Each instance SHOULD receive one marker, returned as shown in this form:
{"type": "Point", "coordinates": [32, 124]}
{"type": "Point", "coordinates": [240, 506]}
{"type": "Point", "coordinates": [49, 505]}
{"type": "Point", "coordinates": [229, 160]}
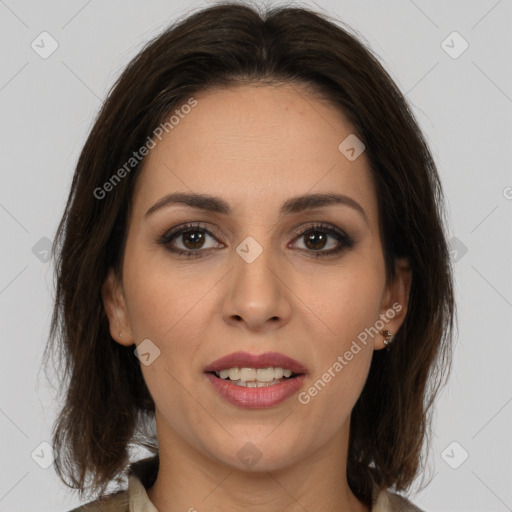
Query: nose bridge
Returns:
{"type": "Point", "coordinates": [256, 291]}
{"type": "Point", "coordinates": [253, 262]}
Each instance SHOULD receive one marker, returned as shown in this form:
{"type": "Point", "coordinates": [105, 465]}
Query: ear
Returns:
{"type": "Point", "coordinates": [115, 307]}
{"type": "Point", "coordinates": [395, 301]}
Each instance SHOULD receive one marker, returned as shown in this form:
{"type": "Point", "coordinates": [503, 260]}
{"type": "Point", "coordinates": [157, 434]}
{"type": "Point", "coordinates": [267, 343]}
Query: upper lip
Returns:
{"type": "Point", "coordinates": [247, 360]}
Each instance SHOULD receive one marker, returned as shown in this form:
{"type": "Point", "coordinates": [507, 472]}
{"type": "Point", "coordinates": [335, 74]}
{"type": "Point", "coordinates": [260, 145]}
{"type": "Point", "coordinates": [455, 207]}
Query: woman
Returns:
{"type": "Point", "coordinates": [253, 257]}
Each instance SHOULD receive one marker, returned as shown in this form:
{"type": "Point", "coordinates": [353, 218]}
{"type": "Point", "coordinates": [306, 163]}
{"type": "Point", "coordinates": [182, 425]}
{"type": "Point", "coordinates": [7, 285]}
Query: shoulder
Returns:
{"type": "Point", "coordinates": [388, 501]}
{"type": "Point", "coordinates": [116, 502]}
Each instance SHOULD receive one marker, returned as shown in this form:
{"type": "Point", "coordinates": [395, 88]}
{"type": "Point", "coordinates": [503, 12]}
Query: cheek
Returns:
{"type": "Point", "coordinates": [350, 305]}
{"type": "Point", "coordinates": [170, 306]}
{"type": "Point", "coordinates": [348, 299]}
{"type": "Point", "coordinates": [163, 297]}
{"type": "Point", "coordinates": [343, 363]}
{"type": "Point", "coordinates": [330, 398]}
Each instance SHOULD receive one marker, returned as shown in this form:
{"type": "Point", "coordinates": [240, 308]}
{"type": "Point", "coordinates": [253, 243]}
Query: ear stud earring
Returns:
{"type": "Point", "coordinates": [388, 336]}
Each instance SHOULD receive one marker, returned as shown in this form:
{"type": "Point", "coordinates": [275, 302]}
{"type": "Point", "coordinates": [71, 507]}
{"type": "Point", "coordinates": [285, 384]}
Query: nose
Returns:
{"type": "Point", "coordinates": [257, 296]}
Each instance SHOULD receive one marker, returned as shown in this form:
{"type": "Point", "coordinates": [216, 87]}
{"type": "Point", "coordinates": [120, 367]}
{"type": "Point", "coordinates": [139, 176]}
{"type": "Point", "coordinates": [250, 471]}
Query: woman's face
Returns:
{"type": "Point", "coordinates": [267, 274]}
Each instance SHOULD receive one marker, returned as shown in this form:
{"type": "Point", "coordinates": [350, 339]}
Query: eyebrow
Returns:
{"type": "Point", "coordinates": [295, 204]}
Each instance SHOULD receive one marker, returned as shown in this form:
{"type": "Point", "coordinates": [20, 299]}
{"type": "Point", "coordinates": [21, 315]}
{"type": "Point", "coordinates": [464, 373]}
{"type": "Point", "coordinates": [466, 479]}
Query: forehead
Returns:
{"type": "Point", "coordinates": [248, 143]}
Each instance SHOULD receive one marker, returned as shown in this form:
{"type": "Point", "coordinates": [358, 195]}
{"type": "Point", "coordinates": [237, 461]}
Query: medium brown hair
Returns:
{"type": "Point", "coordinates": [107, 402]}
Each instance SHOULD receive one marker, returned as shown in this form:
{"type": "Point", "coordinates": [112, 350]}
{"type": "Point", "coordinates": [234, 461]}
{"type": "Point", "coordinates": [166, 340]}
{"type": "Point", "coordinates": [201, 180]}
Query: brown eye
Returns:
{"type": "Point", "coordinates": [316, 239]}
{"type": "Point", "coordinates": [188, 240]}
{"type": "Point", "coordinates": [193, 239]}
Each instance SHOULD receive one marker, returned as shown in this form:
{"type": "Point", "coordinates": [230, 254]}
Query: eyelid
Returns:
{"type": "Point", "coordinates": [322, 225]}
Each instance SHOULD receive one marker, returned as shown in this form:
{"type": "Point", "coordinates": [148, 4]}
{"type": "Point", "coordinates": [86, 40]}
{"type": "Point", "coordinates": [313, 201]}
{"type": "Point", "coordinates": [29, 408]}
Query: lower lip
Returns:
{"type": "Point", "coordinates": [256, 398]}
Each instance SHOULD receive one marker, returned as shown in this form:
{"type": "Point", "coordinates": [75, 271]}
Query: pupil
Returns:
{"type": "Point", "coordinates": [317, 235]}
{"type": "Point", "coordinates": [197, 239]}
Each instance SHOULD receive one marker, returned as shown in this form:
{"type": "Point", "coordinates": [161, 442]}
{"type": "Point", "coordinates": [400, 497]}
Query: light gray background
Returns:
{"type": "Point", "coordinates": [464, 106]}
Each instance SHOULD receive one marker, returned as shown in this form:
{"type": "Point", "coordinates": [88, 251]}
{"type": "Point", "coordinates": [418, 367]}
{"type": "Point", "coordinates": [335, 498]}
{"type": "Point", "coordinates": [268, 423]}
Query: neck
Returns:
{"type": "Point", "coordinates": [190, 480]}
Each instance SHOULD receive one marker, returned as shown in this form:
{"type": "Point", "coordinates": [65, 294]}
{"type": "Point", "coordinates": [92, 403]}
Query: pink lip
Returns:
{"type": "Point", "coordinates": [246, 360]}
{"type": "Point", "coordinates": [256, 398]}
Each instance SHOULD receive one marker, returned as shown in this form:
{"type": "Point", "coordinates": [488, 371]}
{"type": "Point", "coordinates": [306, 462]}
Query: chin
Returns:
{"type": "Point", "coordinates": [256, 453]}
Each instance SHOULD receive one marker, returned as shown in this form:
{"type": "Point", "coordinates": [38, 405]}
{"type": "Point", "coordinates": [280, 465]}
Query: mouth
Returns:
{"type": "Point", "coordinates": [256, 381]}
{"type": "Point", "coordinates": [260, 368]}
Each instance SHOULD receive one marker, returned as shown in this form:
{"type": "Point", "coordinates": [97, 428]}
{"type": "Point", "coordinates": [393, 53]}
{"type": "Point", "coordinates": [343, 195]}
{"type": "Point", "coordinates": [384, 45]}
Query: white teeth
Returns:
{"type": "Point", "coordinates": [234, 373]}
{"type": "Point", "coordinates": [265, 374]}
{"type": "Point", "coordinates": [247, 374]}
{"type": "Point", "coordinates": [254, 377]}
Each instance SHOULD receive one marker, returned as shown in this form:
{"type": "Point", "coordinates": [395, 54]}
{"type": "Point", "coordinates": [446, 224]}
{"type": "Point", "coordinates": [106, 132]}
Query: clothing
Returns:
{"type": "Point", "coordinates": [142, 475]}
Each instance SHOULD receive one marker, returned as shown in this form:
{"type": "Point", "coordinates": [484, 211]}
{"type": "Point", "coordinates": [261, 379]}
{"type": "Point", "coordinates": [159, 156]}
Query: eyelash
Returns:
{"type": "Point", "coordinates": [167, 237]}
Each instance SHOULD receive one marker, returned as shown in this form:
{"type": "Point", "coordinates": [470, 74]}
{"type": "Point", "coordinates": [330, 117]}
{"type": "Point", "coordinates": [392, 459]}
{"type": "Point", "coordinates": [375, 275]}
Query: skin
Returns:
{"type": "Point", "coordinates": [254, 146]}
